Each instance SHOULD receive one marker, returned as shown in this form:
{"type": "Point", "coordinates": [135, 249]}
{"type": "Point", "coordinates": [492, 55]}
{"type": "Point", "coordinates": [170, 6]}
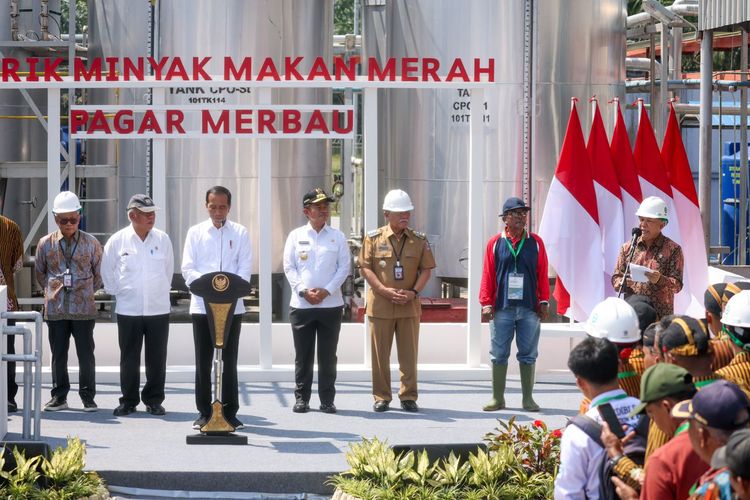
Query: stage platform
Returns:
{"type": "Point", "coordinates": [288, 455]}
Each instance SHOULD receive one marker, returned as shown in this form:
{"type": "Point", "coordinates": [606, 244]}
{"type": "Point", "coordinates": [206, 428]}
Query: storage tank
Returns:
{"type": "Point", "coordinates": [22, 136]}
{"type": "Point", "coordinates": [577, 49]}
{"type": "Point", "coordinates": [234, 28]}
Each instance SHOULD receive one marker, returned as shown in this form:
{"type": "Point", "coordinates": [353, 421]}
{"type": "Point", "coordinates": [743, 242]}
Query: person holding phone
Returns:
{"type": "Point", "coordinates": [594, 365]}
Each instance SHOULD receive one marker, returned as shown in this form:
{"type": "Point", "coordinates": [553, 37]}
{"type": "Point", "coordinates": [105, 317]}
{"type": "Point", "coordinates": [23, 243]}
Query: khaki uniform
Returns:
{"type": "Point", "coordinates": [379, 253]}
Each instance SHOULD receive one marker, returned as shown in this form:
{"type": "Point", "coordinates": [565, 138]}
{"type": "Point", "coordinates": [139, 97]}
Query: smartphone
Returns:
{"type": "Point", "coordinates": [608, 415]}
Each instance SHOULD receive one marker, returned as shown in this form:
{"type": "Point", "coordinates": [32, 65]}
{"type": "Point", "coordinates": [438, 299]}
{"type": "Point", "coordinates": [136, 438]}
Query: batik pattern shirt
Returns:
{"type": "Point", "coordinates": [83, 258]}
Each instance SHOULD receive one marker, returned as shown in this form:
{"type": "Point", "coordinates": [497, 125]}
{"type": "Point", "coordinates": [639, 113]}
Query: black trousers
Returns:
{"type": "Point", "coordinates": [12, 385]}
{"type": "Point", "coordinates": [307, 324]}
{"type": "Point", "coordinates": [59, 342]}
{"type": "Point", "coordinates": [204, 355]}
{"type": "Point", "coordinates": [131, 332]}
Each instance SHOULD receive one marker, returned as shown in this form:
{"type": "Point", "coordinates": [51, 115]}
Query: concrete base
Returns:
{"type": "Point", "coordinates": [227, 439]}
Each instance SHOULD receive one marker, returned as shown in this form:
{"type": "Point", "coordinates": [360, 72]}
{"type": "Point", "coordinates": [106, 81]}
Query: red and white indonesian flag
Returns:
{"type": "Point", "coordinates": [627, 175]}
{"type": "Point", "coordinates": [570, 228]}
{"type": "Point", "coordinates": [652, 173]}
{"type": "Point", "coordinates": [688, 213]}
{"type": "Point", "coordinates": [608, 198]}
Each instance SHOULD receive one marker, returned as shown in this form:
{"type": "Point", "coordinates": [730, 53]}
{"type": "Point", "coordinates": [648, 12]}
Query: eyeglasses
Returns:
{"type": "Point", "coordinates": [67, 221]}
{"type": "Point", "coordinates": [520, 212]}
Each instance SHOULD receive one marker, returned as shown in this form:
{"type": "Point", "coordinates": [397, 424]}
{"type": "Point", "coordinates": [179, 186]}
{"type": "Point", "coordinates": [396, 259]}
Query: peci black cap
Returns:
{"type": "Point", "coordinates": [513, 203]}
{"type": "Point", "coordinates": [316, 196]}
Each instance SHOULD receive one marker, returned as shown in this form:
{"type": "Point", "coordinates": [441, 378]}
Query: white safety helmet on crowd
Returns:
{"type": "Point", "coordinates": [66, 202]}
{"type": "Point", "coordinates": [397, 201]}
{"type": "Point", "coordinates": [737, 310]}
{"type": "Point", "coordinates": [653, 207]}
{"type": "Point", "coordinates": [615, 320]}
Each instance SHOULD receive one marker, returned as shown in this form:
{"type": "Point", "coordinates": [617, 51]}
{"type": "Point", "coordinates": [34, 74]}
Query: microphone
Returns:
{"type": "Point", "coordinates": [636, 232]}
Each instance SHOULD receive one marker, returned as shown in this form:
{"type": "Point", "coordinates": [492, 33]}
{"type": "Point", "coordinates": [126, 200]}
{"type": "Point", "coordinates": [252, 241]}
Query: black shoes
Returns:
{"type": "Point", "coordinates": [300, 406]}
{"type": "Point", "coordinates": [409, 405]}
{"type": "Point", "coordinates": [235, 422]}
{"type": "Point", "coordinates": [12, 407]}
{"type": "Point", "coordinates": [200, 422]}
{"type": "Point", "coordinates": [381, 405]}
{"type": "Point", "coordinates": [123, 410]}
{"type": "Point", "coordinates": [328, 408]}
{"type": "Point", "coordinates": [156, 409]}
{"type": "Point", "coordinates": [56, 404]}
{"type": "Point", "coordinates": [89, 405]}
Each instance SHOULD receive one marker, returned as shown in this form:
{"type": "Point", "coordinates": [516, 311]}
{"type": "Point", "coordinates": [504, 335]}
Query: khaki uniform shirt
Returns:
{"type": "Point", "coordinates": [379, 253]}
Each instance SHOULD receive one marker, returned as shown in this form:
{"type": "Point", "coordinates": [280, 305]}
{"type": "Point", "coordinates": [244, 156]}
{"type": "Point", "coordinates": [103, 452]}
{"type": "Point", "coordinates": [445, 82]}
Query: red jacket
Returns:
{"type": "Point", "coordinates": [488, 287]}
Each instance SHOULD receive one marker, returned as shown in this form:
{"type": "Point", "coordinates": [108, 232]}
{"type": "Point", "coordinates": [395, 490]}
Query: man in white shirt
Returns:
{"type": "Point", "coordinates": [316, 263]}
{"type": "Point", "coordinates": [137, 268]}
{"type": "Point", "coordinates": [594, 364]}
{"type": "Point", "coordinates": [216, 244]}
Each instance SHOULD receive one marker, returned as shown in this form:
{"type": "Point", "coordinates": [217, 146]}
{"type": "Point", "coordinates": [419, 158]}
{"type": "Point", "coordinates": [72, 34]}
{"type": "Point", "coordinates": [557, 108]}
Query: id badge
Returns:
{"type": "Point", "coordinates": [398, 272]}
{"type": "Point", "coordinates": [515, 286]}
{"type": "Point", "coordinates": [67, 279]}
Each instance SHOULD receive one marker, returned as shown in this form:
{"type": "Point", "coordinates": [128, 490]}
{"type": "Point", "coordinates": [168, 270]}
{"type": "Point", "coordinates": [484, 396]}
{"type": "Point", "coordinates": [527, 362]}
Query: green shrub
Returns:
{"type": "Point", "coordinates": [62, 475]}
{"type": "Point", "coordinates": [520, 463]}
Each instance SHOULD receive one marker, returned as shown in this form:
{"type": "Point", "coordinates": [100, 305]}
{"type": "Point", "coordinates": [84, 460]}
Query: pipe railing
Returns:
{"type": "Point", "coordinates": [31, 355]}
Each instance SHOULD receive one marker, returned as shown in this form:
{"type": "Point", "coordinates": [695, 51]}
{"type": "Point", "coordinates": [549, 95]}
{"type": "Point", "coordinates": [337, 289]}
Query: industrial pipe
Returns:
{"type": "Point", "coordinates": [706, 128]}
{"type": "Point", "coordinates": [641, 63]}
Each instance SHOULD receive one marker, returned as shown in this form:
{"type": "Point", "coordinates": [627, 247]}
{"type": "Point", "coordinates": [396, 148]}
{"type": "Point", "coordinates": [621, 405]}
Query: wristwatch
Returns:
{"type": "Point", "coordinates": [302, 293]}
{"type": "Point", "coordinates": [415, 291]}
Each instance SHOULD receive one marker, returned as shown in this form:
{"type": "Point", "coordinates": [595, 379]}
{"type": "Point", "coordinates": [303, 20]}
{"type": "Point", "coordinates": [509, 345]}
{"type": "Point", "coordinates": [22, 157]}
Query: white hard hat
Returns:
{"type": "Point", "coordinates": [397, 201]}
{"type": "Point", "coordinates": [737, 310]}
{"type": "Point", "coordinates": [614, 319]}
{"type": "Point", "coordinates": [653, 207]}
{"type": "Point", "coordinates": [66, 202]}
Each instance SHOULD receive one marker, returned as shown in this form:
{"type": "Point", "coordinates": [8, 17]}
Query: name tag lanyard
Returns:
{"type": "Point", "coordinates": [515, 280]}
{"type": "Point", "coordinates": [67, 275]}
{"type": "Point", "coordinates": [398, 269]}
{"type": "Point", "coordinates": [515, 252]}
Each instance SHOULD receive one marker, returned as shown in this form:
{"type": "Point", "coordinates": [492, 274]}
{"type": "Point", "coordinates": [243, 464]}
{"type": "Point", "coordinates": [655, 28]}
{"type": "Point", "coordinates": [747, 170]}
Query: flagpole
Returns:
{"type": "Point", "coordinates": [616, 102]}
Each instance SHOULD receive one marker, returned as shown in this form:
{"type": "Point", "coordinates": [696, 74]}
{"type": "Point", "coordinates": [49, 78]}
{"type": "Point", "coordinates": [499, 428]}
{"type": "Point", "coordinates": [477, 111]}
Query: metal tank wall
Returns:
{"type": "Point", "coordinates": [579, 52]}
{"type": "Point", "coordinates": [423, 138]}
{"type": "Point", "coordinates": [235, 28]}
{"type": "Point", "coordinates": [23, 139]}
{"type": "Point", "coordinates": [118, 29]}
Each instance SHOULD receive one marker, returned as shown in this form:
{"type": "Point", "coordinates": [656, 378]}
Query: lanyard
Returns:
{"type": "Point", "coordinates": [69, 260]}
{"type": "Point", "coordinates": [398, 254]}
{"type": "Point", "coordinates": [607, 400]}
{"type": "Point", "coordinates": [682, 428]}
{"type": "Point", "coordinates": [515, 252]}
{"type": "Point", "coordinates": [704, 383]}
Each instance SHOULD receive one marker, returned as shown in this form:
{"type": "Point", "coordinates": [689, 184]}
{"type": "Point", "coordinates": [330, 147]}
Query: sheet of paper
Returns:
{"type": "Point", "coordinates": [638, 273]}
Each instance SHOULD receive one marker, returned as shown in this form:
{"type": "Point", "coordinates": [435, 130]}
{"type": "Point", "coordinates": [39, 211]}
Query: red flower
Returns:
{"type": "Point", "coordinates": [538, 423]}
{"type": "Point", "coordinates": [557, 433]}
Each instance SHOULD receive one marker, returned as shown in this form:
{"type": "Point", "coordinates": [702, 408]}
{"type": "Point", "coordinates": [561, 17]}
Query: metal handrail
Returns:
{"type": "Point", "coordinates": [27, 358]}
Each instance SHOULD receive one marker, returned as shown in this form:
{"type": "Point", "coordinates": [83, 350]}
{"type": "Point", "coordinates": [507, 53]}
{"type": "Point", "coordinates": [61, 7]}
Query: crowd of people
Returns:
{"type": "Point", "coordinates": [665, 410]}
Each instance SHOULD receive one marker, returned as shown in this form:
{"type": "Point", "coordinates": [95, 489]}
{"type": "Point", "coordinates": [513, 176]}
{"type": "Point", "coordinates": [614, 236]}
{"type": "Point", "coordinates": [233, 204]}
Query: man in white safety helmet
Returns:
{"type": "Point", "coordinates": [736, 321]}
{"type": "Point", "coordinates": [617, 321]}
{"type": "Point", "coordinates": [657, 252]}
{"type": "Point", "coordinates": [67, 267]}
{"type": "Point", "coordinates": [396, 261]}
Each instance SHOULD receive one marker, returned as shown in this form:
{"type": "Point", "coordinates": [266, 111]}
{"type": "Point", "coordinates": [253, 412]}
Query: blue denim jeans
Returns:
{"type": "Point", "coordinates": [519, 321]}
